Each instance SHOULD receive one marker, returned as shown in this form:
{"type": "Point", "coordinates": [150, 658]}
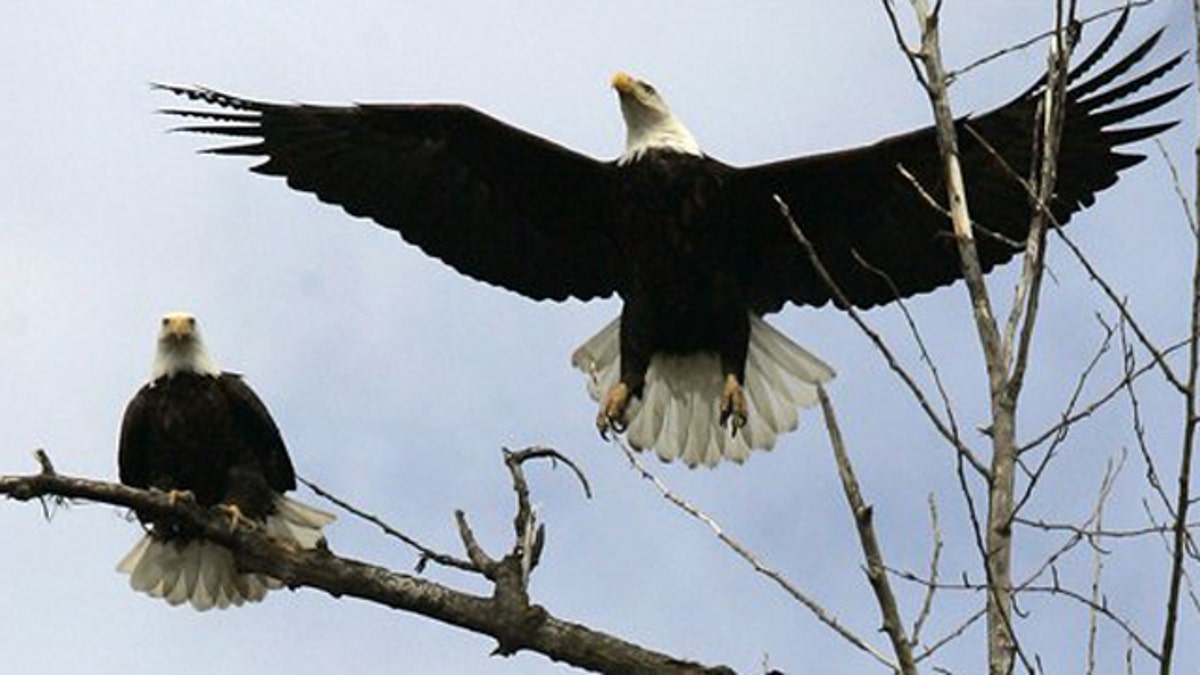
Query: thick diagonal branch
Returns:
{"type": "Point", "coordinates": [529, 627]}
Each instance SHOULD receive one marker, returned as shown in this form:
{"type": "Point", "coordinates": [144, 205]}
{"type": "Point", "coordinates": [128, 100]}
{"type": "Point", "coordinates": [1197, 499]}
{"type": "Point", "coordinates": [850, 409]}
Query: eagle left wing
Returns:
{"type": "Point", "coordinates": [251, 415]}
{"type": "Point", "coordinates": [494, 202]}
{"type": "Point", "coordinates": [880, 239]}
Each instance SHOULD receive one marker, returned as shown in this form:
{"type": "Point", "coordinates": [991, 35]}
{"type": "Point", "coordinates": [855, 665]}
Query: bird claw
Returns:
{"type": "Point", "coordinates": [176, 496]}
{"type": "Point", "coordinates": [733, 405]}
{"type": "Point", "coordinates": [611, 418]}
{"type": "Point", "coordinates": [235, 515]}
{"type": "Point", "coordinates": [609, 425]}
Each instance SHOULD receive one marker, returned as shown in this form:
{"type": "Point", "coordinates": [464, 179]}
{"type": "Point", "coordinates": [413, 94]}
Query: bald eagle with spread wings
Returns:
{"type": "Point", "coordinates": [697, 249]}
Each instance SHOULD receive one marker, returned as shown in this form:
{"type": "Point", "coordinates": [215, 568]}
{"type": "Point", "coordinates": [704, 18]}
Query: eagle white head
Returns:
{"type": "Point", "coordinates": [181, 349]}
{"type": "Point", "coordinates": [649, 122]}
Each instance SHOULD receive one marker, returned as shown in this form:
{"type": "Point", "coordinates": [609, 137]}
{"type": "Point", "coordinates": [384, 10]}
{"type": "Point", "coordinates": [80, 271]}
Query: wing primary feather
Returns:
{"type": "Point", "coordinates": [239, 129]}
{"type": "Point", "coordinates": [1089, 61]}
{"type": "Point", "coordinates": [1131, 110]}
{"type": "Point", "coordinates": [245, 149]}
{"type": "Point", "coordinates": [1117, 69]}
{"type": "Point", "coordinates": [219, 115]}
{"type": "Point", "coordinates": [1116, 93]}
{"type": "Point", "coordinates": [212, 96]}
{"type": "Point", "coordinates": [1133, 134]}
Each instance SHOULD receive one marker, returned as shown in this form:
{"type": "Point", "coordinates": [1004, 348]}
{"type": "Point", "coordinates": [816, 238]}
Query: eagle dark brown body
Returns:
{"type": "Point", "coordinates": [208, 435]}
{"type": "Point", "coordinates": [683, 286]}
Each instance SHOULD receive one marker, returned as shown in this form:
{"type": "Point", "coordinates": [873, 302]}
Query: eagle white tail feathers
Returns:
{"type": "Point", "coordinates": [205, 574]}
{"type": "Point", "coordinates": [677, 414]}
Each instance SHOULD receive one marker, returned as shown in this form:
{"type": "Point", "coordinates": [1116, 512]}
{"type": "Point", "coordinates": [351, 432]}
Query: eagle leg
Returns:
{"type": "Point", "coordinates": [612, 410]}
{"type": "Point", "coordinates": [733, 404]}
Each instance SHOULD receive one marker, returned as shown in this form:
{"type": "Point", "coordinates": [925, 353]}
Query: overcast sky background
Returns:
{"type": "Point", "coordinates": [396, 381]}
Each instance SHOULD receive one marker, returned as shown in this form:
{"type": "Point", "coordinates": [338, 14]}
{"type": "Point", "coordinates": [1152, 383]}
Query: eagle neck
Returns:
{"type": "Point", "coordinates": [191, 357]}
{"type": "Point", "coordinates": [667, 134]}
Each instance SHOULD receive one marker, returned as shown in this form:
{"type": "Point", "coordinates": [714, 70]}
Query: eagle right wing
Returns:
{"type": "Point", "coordinates": [494, 202]}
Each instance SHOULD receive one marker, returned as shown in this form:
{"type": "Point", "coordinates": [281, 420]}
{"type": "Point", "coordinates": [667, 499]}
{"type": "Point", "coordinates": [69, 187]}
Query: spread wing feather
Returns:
{"type": "Point", "coordinates": [494, 202]}
{"type": "Point", "coordinates": [880, 239]}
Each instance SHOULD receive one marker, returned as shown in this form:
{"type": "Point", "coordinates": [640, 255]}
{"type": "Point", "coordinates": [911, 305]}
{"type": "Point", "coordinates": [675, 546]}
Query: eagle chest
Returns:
{"type": "Point", "coordinates": [191, 437]}
{"type": "Point", "coordinates": [673, 214]}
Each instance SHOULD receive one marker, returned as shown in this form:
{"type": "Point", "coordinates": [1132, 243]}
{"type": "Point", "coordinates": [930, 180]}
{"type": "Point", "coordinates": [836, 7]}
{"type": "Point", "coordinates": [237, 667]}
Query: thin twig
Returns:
{"type": "Point", "coordinates": [823, 615]}
{"type": "Point", "coordinates": [1051, 452]}
{"type": "Point", "coordinates": [1139, 429]}
{"type": "Point", "coordinates": [1178, 184]}
{"type": "Point", "coordinates": [427, 554]}
{"type": "Point", "coordinates": [1051, 589]}
{"type": "Point", "coordinates": [1121, 306]}
{"type": "Point", "coordinates": [530, 535]}
{"type": "Point", "coordinates": [1097, 532]}
{"type": "Point", "coordinates": [1062, 426]}
{"type": "Point", "coordinates": [951, 635]}
{"type": "Point", "coordinates": [913, 330]}
{"type": "Point", "coordinates": [1163, 530]}
{"type": "Point", "coordinates": [1025, 44]}
{"type": "Point", "coordinates": [1097, 570]}
{"type": "Point", "coordinates": [947, 432]}
{"type": "Point", "coordinates": [1070, 543]}
{"type": "Point", "coordinates": [934, 558]}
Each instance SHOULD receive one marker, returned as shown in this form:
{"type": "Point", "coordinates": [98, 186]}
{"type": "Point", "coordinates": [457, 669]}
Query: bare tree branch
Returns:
{"type": "Point", "coordinates": [1070, 418]}
{"type": "Point", "coordinates": [1184, 478]}
{"type": "Point", "coordinates": [1025, 44]}
{"type": "Point", "coordinates": [1139, 429]}
{"type": "Point", "coordinates": [864, 523]}
{"type": "Point", "coordinates": [1096, 533]}
{"type": "Point", "coordinates": [1049, 589]}
{"type": "Point", "coordinates": [1037, 473]}
{"type": "Point", "coordinates": [997, 550]}
{"type": "Point", "coordinates": [952, 635]}
{"type": "Point", "coordinates": [823, 615]}
{"type": "Point", "coordinates": [427, 554]}
{"type": "Point", "coordinates": [515, 627]}
{"type": "Point", "coordinates": [934, 559]}
{"type": "Point", "coordinates": [915, 331]}
{"type": "Point", "coordinates": [950, 433]}
{"type": "Point", "coordinates": [1097, 570]}
{"type": "Point", "coordinates": [1159, 355]}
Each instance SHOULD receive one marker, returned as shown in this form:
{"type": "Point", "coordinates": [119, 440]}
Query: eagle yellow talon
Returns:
{"type": "Point", "coordinates": [612, 411]}
{"type": "Point", "coordinates": [733, 405]}
{"type": "Point", "coordinates": [176, 496]}
{"type": "Point", "coordinates": [236, 517]}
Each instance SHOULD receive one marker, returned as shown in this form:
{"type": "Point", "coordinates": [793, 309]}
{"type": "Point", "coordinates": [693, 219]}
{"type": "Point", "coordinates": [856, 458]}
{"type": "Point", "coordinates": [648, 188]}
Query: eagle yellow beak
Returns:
{"type": "Point", "coordinates": [623, 82]}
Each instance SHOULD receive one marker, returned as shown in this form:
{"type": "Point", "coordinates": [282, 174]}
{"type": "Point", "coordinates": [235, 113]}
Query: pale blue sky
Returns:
{"type": "Point", "coordinates": [396, 381]}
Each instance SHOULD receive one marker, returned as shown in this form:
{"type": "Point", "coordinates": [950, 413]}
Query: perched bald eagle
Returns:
{"type": "Point", "coordinates": [697, 249]}
{"type": "Point", "coordinates": [194, 429]}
